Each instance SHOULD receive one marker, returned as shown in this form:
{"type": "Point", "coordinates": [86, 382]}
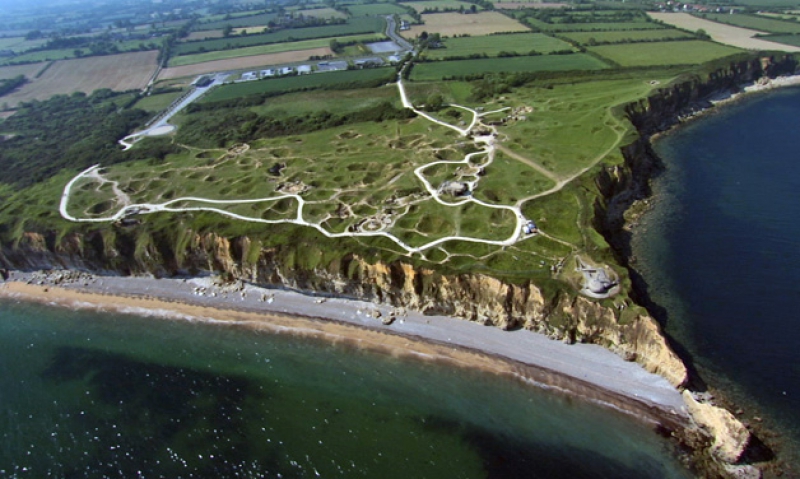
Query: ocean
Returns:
{"type": "Point", "coordinates": [720, 253]}
{"type": "Point", "coordinates": [86, 394]}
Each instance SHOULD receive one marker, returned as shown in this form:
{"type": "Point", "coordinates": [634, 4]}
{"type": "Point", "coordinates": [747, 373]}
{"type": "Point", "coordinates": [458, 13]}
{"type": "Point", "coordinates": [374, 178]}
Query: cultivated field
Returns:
{"type": "Point", "coordinates": [19, 44]}
{"type": "Point", "coordinates": [521, 43]}
{"type": "Point", "coordinates": [243, 62]}
{"type": "Point", "coordinates": [626, 36]}
{"type": "Point", "coordinates": [354, 27]}
{"type": "Point", "coordinates": [30, 70]}
{"type": "Point", "coordinates": [591, 27]}
{"type": "Point", "coordinates": [477, 24]}
{"type": "Point", "coordinates": [126, 71]}
{"type": "Point", "coordinates": [440, 5]}
{"type": "Point", "coordinates": [203, 35]}
{"type": "Point", "coordinates": [784, 39]}
{"type": "Point", "coordinates": [264, 50]}
{"type": "Point", "coordinates": [322, 13]}
{"type": "Point", "coordinates": [437, 70]}
{"type": "Point", "coordinates": [244, 21]}
{"type": "Point", "coordinates": [727, 34]}
{"type": "Point", "coordinates": [755, 22]}
{"type": "Point", "coordinates": [518, 5]}
{"type": "Point", "coordinates": [376, 9]}
{"type": "Point", "coordinates": [691, 52]}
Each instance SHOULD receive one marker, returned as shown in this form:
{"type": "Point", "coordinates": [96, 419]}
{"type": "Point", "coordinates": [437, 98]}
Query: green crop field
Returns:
{"type": "Point", "coordinates": [754, 22]}
{"type": "Point", "coordinates": [491, 45]}
{"type": "Point", "coordinates": [316, 80]}
{"type": "Point", "coordinates": [375, 9]}
{"type": "Point", "coordinates": [691, 52]}
{"type": "Point", "coordinates": [265, 49]}
{"type": "Point", "coordinates": [785, 39]}
{"type": "Point", "coordinates": [353, 27]}
{"type": "Point", "coordinates": [591, 27]}
{"type": "Point", "coordinates": [627, 36]}
{"type": "Point", "coordinates": [244, 21]}
{"type": "Point", "coordinates": [438, 70]}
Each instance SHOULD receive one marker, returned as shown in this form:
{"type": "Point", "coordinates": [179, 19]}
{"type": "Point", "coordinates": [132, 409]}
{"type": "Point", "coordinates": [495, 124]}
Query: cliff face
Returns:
{"type": "Point", "coordinates": [471, 296]}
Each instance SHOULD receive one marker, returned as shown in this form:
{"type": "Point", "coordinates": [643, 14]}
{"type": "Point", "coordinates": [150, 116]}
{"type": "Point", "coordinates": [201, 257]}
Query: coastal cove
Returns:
{"type": "Point", "coordinates": [718, 253]}
{"type": "Point", "coordinates": [354, 298]}
{"type": "Point", "coordinates": [361, 413]}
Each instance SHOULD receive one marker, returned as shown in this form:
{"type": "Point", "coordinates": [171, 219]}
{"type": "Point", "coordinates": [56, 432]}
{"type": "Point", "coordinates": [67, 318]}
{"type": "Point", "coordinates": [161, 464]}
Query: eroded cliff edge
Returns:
{"type": "Point", "coordinates": [625, 190]}
{"type": "Point", "coordinates": [477, 297]}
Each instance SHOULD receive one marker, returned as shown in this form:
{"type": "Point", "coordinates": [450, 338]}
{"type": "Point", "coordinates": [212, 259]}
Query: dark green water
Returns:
{"type": "Point", "coordinates": [721, 253]}
{"type": "Point", "coordinates": [91, 395]}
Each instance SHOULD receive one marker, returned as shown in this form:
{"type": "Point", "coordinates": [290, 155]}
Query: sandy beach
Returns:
{"type": "Point", "coordinates": [586, 371]}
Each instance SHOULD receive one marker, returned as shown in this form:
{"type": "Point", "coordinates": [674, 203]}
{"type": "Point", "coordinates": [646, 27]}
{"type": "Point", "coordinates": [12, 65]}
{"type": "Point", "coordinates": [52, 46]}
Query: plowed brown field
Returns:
{"type": "Point", "coordinates": [126, 71]}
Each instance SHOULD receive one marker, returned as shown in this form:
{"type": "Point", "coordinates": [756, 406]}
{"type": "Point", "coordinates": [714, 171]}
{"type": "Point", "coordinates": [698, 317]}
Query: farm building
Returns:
{"type": "Point", "coordinates": [331, 66]}
{"type": "Point", "coordinates": [303, 69]}
{"type": "Point", "coordinates": [287, 70]}
{"type": "Point", "coordinates": [268, 73]}
{"type": "Point", "coordinates": [250, 76]}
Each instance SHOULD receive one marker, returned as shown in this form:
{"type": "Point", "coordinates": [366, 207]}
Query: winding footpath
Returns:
{"type": "Point", "coordinates": [488, 149]}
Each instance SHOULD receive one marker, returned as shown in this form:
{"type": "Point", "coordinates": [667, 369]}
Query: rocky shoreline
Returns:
{"type": "Point", "coordinates": [622, 217]}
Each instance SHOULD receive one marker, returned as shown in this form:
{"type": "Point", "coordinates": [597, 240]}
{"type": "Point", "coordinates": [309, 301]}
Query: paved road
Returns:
{"type": "Point", "coordinates": [391, 32]}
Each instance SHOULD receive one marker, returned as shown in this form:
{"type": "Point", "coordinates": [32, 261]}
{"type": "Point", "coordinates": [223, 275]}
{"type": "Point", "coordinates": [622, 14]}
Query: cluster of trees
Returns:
{"type": "Point", "coordinates": [461, 9]}
{"type": "Point", "coordinates": [555, 16]}
{"type": "Point", "coordinates": [74, 131]}
{"type": "Point", "coordinates": [9, 85]}
{"type": "Point", "coordinates": [235, 125]}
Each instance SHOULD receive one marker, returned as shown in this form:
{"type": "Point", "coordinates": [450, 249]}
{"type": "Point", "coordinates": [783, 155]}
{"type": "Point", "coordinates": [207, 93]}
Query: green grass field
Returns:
{"type": "Point", "coordinates": [353, 27]}
{"type": "Point", "coordinates": [265, 49]}
{"type": "Point", "coordinates": [40, 56]}
{"type": "Point", "coordinates": [491, 45]}
{"type": "Point", "coordinates": [375, 9]}
{"type": "Point", "coordinates": [754, 22]}
{"type": "Point", "coordinates": [691, 52]}
{"type": "Point", "coordinates": [157, 103]}
{"type": "Point", "coordinates": [585, 38]}
{"type": "Point", "coordinates": [277, 85]}
{"type": "Point", "coordinates": [571, 126]}
{"type": "Point", "coordinates": [345, 101]}
{"type": "Point", "coordinates": [438, 70]}
{"type": "Point", "coordinates": [591, 27]}
{"type": "Point", "coordinates": [19, 44]}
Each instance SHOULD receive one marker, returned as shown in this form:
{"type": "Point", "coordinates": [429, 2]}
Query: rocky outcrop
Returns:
{"type": "Point", "coordinates": [730, 436]}
{"type": "Point", "coordinates": [474, 297]}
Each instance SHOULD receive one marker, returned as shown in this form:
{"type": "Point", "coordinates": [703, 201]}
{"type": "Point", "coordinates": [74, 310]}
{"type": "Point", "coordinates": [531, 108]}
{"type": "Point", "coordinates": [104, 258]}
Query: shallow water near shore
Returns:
{"type": "Point", "coordinates": [720, 251]}
{"type": "Point", "coordinates": [107, 395]}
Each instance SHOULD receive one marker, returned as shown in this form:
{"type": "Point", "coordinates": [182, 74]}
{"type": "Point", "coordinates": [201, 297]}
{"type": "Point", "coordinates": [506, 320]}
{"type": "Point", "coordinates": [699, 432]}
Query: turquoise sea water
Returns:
{"type": "Point", "coordinates": [100, 395]}
{"type": "Point", "coordinates": [721, 254]}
